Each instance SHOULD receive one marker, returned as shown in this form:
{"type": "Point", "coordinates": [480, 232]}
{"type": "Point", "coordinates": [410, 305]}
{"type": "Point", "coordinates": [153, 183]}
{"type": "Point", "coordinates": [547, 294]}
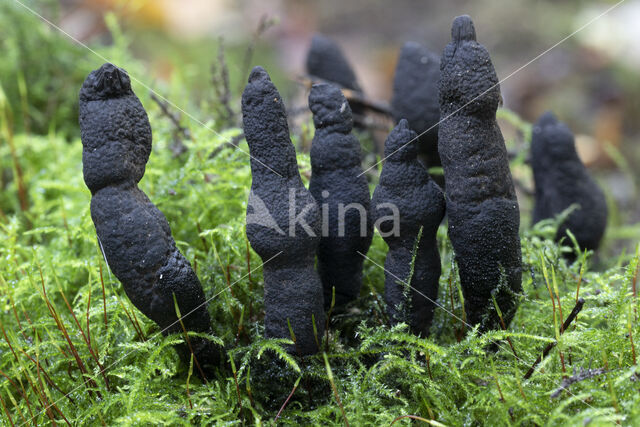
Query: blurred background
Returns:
{"type": "Point", "coordinates": [178, 48]}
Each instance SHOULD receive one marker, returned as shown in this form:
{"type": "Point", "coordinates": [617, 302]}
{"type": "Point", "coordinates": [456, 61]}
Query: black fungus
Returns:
{"type": "Point", "coordinates": [482, 208]}
{"type": "Point", "coordinates": [562, 180]}
{"type": "Point", "coordinates": [134, 235]}
{"type": "Point", "coordinates": [326, 61]}
{"type": "Point", "coordinates": [340, 188]}
{"type": "Point", "coordinates": [415, 97]}
{"type": "Point", "coordinates": [405, 201]}
{"type": "Point", "coordinates": [283, 219]}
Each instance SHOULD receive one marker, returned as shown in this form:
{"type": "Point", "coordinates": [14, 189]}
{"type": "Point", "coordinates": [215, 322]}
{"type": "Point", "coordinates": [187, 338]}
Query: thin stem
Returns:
{"type": "Point", "coordinates": [550, 346]}
{"type": "Point", "coordinates": [295, 387]}
{"type": "Point", "coordinates": [334, 388]}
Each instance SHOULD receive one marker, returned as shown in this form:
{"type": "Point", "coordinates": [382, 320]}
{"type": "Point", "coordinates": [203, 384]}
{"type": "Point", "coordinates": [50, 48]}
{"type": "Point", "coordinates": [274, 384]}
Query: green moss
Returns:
{"type": "Point", "coordinates": [379, 373]}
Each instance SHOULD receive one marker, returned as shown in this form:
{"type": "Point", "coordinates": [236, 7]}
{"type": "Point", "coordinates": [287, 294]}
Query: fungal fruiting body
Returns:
{"type": "Point", "coordinates": [283, 219]}
{"type": "Point", "coordinates": [561, 180]}
{"type": "Point", "coordinates": [327, 62]}
{"type": "Point", "coordinates": [482, 208]}
{"type": "Point", "coordinates": [405, 201]}
{"type": "Point", "coordinates": [415, 97]}
{"type": "Point", "coordinates": [134, 235]}
{"type": "Point", "coordinates": [340, 188]}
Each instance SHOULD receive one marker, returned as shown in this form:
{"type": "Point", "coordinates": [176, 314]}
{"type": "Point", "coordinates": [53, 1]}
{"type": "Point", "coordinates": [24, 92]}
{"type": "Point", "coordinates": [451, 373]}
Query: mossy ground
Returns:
{"type": "Point", "coordinates": [64, 318]}
{"type": "Point", "coordinates": [74, 350]}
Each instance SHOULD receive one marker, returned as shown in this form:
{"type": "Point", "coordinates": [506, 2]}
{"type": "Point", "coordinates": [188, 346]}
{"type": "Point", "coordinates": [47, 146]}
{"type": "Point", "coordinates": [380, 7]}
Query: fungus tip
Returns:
{"type": "Point", "coordinates": [326, 61]}
{"type": "Point", "coordinates": [320, 42]}
{"type": "Point", "coordinates": [547, 119]}
{"type": "Point", "coordinates": [561, 180]}
{"type": "Point", "coordinates": [411, 45]}
{"type": "Point", "coordinates": [400, 142]}
{"type": "Point", "coordinates": [329, 107]}
{"type": "Point", "coordinates": [318, 89]}
{"type": "Point", "coordinates": [403, 124]}
{"type": "Point", "coordinates": [418, 206]}
{"type": "Point", "coordinates": [108, 81]}
{"type": "Point", "coordinates": [258, 73]}
{"type": "Point", "coordinates": [324, 91]}
{"type": "Point", "coordinates": [462, 29]}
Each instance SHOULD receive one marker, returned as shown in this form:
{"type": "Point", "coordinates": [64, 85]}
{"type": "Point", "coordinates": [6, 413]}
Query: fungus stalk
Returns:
{"type": "Point", "coordinates": [407, 208]}
{"type": "Point", "coordinates": [561, 180]}
{"type": "Point", "coordinates": [283, 220]}
{"type": "Point", "coordinates": [482, 208]}
{"type": "Point", "coordinates": [415, 98]}
{"type": "Point", "coordinates": [134, 235]}
{"type": "Point", "coordinates": [327, 62]}
{"type": "Point", "coordinates": [340, 188]}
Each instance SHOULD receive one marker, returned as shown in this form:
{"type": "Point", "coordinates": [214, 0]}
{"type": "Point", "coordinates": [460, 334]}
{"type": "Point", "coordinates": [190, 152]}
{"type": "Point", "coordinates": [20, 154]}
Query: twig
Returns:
{"type": "Point", "coordinates": [263, 25]}
{"type": "Point", "coordinates": [175, 118]}
{"type": "Point", "coordinates": [178, 147]}
{"type": "Point", "coordinates": [549, 347]}
{"type": "Point", "coordinates": [583, 375]}
{"type": "Point", "coordinates": [220, 82]}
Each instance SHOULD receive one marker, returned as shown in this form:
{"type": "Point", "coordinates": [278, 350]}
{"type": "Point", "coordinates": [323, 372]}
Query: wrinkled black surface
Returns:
{"type": "Point", "coordinates": [405, 183]}
{"type": "Point", "coordinates": [134, 234]}
{"type": "Point", "coordinates": [336, 182]}
{"type": "Point", "coordinates": [562, 180]}
{"type": "Point", "coordinates": [415, 97]}
{"type": "Point", "coordinates": [292, 287]}
{"type": "Point", "coordinates": [482, 208]}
